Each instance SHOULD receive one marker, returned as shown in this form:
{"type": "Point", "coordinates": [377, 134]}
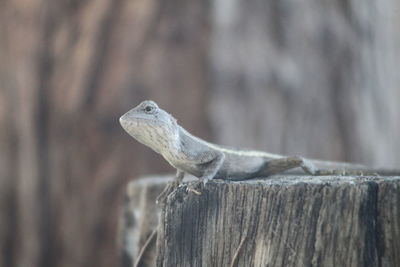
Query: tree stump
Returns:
{"type": "Point", "coordinates": [139, 218]}
{"type": "Point", "coordinates": [285, 220]}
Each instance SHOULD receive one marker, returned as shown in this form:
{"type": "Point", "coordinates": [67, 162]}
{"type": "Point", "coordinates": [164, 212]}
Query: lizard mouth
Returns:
{"type": "Point", "coordinates": [128, 121]}
{"type": "Point", "coordinates": [124, 120]}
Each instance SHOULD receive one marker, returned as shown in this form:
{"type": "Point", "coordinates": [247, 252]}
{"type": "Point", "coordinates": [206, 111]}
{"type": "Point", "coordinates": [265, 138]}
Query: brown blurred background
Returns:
{"type": "Point", "coordinates": [317, 78]}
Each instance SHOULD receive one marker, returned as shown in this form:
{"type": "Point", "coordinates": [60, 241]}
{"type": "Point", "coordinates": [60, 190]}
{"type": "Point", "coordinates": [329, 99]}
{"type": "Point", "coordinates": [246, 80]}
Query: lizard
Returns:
{"type": "Point", "coordinates": [154, 127]}
{"type": "Point", "coordinates": [159, 130]}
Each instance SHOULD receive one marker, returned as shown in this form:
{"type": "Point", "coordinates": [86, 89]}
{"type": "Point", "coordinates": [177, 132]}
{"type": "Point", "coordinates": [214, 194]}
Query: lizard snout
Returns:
{"type": "Point", "coordinates": [124, 120]}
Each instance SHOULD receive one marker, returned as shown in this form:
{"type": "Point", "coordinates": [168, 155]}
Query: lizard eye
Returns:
{"type": "Point", "coordinates": [149, 109]}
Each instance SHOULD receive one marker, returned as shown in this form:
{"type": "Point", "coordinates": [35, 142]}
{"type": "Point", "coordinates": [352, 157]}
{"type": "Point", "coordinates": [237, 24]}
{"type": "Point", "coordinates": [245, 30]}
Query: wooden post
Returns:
{"type": "Point", "coordinates": [139, 218]}
{"type": "Point", "coordinates": [282, 221]}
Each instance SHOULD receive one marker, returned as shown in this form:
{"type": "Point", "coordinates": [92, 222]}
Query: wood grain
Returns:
{"type": "Point", "coordinates": [284, 221]}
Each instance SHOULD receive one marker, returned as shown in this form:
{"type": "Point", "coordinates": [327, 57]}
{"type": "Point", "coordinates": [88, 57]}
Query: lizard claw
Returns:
{"type": "Point", "coordinates": [189, 189]}
{"type": "Point", "coordinates": [192, 189]}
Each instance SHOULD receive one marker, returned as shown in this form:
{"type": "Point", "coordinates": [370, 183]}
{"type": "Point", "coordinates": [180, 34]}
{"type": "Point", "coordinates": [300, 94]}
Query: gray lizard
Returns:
{"type": "Point", "coordinates": [159, 130]}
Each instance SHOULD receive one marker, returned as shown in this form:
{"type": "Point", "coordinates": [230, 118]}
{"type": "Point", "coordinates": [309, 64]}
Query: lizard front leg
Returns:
{"type": "Point", "coordinates": [210, 170]}
{"type": "Point", "coordinates": [171, 186]}
{"type": "Point", "coordinates": [213, 167]}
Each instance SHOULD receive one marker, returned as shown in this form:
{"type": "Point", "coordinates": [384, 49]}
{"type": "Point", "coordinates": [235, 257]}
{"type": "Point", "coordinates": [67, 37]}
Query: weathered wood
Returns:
{"type": "Point", "coordinates": [283, 221]}
{"type": "Point", "coordinates": [139, 218]}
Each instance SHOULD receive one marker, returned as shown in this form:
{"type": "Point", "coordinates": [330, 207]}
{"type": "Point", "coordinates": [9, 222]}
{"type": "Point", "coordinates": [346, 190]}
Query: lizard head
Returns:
{"type": "Point", "coordinates": [150, 125]}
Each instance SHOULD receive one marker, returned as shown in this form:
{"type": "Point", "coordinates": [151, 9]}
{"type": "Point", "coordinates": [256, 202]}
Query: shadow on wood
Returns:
{"type": "Point", "coordinates": [281, 221]}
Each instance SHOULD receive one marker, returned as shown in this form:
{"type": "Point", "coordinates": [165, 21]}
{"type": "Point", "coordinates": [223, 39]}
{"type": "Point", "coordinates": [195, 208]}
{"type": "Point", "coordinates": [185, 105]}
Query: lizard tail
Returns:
{"type": "Point", "coordinates": [364, 172]}
{"type": "Point", "coordinates": [331, 165]}
{"type": "Point", "coordinates": [343, 168]}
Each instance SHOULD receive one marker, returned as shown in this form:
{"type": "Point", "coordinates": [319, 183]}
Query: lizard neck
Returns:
{"type": "Point", "coordinates": [172, 148]}
{"type": "Point", "coordinates": [184, 147]}
{"type": "Point", "coordinates": [166, 139]}
{"type": "Point", "coordinates": [159, 136]}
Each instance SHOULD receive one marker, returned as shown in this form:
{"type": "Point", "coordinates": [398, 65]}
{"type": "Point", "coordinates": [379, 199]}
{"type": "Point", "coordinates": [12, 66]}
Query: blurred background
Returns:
{"type": "Point", "coordinates": [317, 78]}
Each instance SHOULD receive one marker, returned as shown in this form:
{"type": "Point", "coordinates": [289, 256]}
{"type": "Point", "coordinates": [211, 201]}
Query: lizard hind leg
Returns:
{"type": "Point", "coordinates": [286, 163]}
{"type": "Point", "coordinates": [307, 166]}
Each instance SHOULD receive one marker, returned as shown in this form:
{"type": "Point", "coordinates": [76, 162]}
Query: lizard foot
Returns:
{"type": "Point", "coordinates": [197, 185]}
{"type": "Point", "coordinates": [168, 190]}
{"type": "Point", "coordinates": [308, 166]}
{"type": "Point", "coordinates": [190, 189]}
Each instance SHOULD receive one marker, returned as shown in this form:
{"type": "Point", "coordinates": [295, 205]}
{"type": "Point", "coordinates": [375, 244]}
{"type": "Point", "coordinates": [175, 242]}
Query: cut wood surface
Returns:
{"type": "Point", "coordinates": [281, 221]}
